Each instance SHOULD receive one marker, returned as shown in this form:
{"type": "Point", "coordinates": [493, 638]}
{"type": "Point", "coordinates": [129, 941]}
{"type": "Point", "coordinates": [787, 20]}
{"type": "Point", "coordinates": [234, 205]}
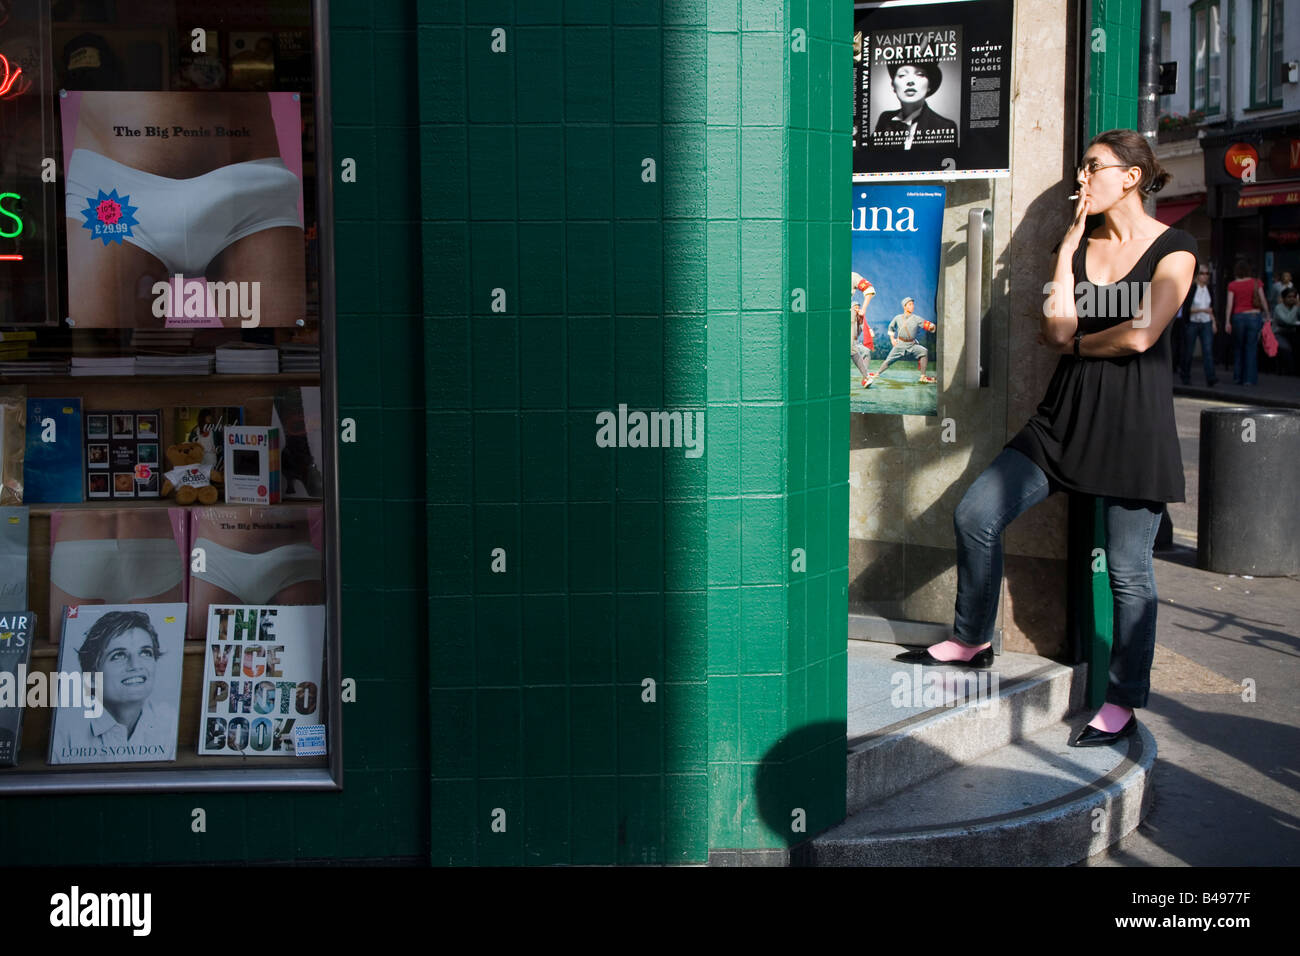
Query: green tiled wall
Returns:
{"type": "Point", "coordinates": [520, 688]}
{"type": "Point", "coordinates": [1113, 66]}
{"type": "Point", "coordinates": [382, 812]}
{"type": "Point", "coordinates": [533, 162]}
{"type": "Point", "coordinates": [1112, 104]}
{"type": "Point", "coordinates": [623, 565]}
{"type": "Point", "coordinates": [778, 161]}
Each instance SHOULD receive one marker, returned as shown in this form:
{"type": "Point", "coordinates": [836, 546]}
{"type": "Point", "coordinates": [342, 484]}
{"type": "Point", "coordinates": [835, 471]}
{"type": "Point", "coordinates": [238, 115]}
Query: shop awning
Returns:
{"type": "Point", "coordinates": [1170, 211]}
{"type": "Point", "coordinates": [1271, 194]}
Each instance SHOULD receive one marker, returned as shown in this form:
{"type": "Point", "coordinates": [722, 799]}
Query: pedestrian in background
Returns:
{"type": "Point", "coordinates": [1247, 311]}
{"type": "Point", "coordinates": [1286, 325]}
{"type": "Point", "coordinates": [1280, 285]}
{"type": "Point", "coordinates": [1199, 310]}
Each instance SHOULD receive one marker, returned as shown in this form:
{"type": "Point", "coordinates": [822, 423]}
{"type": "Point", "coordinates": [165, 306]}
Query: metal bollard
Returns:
{"type": "Point", "coordinates": [1248, 512]}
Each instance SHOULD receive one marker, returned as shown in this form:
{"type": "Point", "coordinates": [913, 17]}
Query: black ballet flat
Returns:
{"type": "Point", "coordinates": [1092, 737]}
{"type": "Point", "coordinates": [922, 656]}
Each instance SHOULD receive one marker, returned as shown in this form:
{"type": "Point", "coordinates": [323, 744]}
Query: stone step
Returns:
{"type": "Point", "coordinates": [950, 716]}
{"type": "Point", "coordinates": [1034, 802]}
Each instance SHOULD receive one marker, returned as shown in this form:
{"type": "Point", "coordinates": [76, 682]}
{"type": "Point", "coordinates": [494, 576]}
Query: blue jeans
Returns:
{"type": "Point", "coordinates": [1202, 332]}
{"type": "Point", "coordinates": [1245, 347]}
{"type": "Point", "coordinates": [1006, 489]}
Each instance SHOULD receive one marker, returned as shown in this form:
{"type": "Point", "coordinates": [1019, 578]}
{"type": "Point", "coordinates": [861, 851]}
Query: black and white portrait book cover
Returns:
{"type": "Point", "coordinates": [118, 686]}
{"type": "Point", "coordinates": [931, 90]}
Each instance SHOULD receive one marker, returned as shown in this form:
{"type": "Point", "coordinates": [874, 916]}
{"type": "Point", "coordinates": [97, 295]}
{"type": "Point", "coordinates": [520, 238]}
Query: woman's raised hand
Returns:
{"type": "Point", "coordinates": [1074, 234]}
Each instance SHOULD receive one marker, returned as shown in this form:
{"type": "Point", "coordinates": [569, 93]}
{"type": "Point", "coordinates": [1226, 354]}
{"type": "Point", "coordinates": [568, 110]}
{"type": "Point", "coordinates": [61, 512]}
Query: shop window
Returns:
{"type": "Point", "coordinates": [166, 513]}
{"type": "Point", "coordinates": [1266, 53]}
{"type": "Point", "coordinates": [1206, 59]}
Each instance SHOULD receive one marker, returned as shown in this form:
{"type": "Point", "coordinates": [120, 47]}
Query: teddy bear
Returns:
{"type": "Point", "coordinates": [189, 477]}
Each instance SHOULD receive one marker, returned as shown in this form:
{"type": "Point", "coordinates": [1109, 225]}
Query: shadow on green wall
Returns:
{"type": "Point", "coordinates": [794, 778]}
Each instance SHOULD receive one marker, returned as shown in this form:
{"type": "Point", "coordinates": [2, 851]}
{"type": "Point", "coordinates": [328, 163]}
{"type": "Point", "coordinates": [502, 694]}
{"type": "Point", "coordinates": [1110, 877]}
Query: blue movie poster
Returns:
{"type": "Point", "coordinates": [895, 324]}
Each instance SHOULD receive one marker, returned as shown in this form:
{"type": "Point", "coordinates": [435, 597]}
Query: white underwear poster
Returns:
{"type": "Point", "coordinates": [116, 556]}
{"type": "Point", "coordinates": [932, 87]}
{"type": "Point", "coordinates": [183, 209]}
{"type": "Point", "coordinates": [895, 325]}
{"type": "Point", "coordinates": [263, 669]}
{"type": "Point", "coordinates": [252, 555]}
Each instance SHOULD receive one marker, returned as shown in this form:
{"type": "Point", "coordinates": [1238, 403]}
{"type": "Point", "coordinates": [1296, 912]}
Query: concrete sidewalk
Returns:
{"type": "Point", "coordinates": [1279, 391]}
{"type": "Point", "coordinates": [1224, 707]}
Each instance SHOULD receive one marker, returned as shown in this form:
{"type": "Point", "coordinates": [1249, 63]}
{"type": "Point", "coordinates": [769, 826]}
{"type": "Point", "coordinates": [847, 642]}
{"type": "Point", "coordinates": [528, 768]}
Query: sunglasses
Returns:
{"type": "Point", "coordinates": [1091, 167]}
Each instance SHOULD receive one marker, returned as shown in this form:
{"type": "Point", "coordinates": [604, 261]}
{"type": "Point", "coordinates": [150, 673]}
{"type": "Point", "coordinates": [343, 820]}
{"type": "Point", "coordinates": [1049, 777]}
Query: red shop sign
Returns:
{"type": "Point", "coordinates": [1241, 161]}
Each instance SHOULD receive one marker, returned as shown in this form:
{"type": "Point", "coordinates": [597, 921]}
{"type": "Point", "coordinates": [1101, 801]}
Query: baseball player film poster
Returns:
{"type": "Point", "coordinates": [895, 325]}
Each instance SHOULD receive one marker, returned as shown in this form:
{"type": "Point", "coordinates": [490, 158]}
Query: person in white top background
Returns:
{"type": "Point", "coordinates": [1199, 309]}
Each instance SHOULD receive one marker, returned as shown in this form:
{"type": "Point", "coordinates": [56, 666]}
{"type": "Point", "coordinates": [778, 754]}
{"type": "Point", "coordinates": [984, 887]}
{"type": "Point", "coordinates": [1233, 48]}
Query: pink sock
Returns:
{"type": "Point", "coordinates": [1110, 718]}
{"type": "Point", "coordinates": [954, 651]}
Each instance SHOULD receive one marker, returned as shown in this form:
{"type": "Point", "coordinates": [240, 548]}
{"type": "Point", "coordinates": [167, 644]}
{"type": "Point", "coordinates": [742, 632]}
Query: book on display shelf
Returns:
{"type": "Point", "coordinates": [124, 453]}
{"type": "Point", "coordinates": [52, 470]}
{"type": "Point", "coordinates": [263, 669]}
{"type": "Point", "coordinates": [13, 442]}
{"type": "Point", "coordinates": [206, 424]}
{"type": "Point", "coordinates": [13, 558]}
{"type": "Point", "coordinates": [253, 556]}
{"type": "Point", "coordinates": [124, 707]}
{"type": "Point", "coordinates": [252, 472]}
{"type": "Point", "coordinates": [17, 629]}
{"type": "Point", "coordinates": [116, 555]}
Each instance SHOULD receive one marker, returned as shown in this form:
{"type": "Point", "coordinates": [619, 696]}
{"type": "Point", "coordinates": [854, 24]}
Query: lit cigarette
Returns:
{"type": "Point", "coordinates": [1074, 196]}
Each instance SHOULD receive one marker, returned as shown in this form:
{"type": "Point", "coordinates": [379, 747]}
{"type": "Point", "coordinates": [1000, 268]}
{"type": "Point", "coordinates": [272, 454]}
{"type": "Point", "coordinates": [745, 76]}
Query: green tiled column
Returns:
{"type": "Point", "coordinates": [626, 176]}
{"type": "Point", "coordinates": [1113, 65]}
{"type": "Point", "coordinates": [778, 171]}
{"type": "Point", "coordinates": [567, 589]}
{"type": "Point", "coordinates": [1112, 104]}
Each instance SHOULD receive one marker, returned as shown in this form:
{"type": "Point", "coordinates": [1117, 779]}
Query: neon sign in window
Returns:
{"type": "Point", "coordinates": [12, 82]}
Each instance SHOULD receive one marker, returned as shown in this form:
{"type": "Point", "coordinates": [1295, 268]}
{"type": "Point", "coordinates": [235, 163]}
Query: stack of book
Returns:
{"type": "Point", "coordinates": [295, 357]}
{"type": "Point", "coordinates": [198, 363]}
{"type": "Point", "coordinates": [14, 345]}
{"type": "Point", "coordinates": [35, 367]}
{"type": "Point", "coordinates": [247, 358]}
{"type": "Point", "coordinates": [102, 365]}
{"type": "Point", "coordinates": [159, 341]}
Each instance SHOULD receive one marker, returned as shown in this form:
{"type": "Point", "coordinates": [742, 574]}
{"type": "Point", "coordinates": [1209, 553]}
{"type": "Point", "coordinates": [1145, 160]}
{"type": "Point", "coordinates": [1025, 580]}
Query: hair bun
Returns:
{"type": "Point", "coordinates": [1158, 181]}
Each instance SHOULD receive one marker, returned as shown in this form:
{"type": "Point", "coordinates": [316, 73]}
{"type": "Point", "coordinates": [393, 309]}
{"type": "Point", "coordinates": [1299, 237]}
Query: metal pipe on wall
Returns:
{"type": "Point", "coordinates": [1149, 80]}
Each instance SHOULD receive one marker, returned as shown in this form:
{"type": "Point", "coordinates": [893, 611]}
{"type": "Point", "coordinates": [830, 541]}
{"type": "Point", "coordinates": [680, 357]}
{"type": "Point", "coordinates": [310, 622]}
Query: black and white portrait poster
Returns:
{"type": "Point", "coordinates": [932, 90]}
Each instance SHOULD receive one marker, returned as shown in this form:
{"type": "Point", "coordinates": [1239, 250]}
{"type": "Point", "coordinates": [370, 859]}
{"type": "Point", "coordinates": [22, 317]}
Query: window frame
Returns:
{"type": "Point", "coordinates": [164, 778]}
{"type": "Point", "coordinates": [1201, 88]}
{"type": "Point", "coordinates": [1272, 46]}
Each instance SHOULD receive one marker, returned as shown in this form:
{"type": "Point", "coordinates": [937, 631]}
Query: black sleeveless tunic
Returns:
{"type": "Point", "coordinates": [1106, 425]}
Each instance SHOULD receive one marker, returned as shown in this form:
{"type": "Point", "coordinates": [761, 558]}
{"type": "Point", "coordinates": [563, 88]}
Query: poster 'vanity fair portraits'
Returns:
{"type": "Point", "coordinates": [932, 87]}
